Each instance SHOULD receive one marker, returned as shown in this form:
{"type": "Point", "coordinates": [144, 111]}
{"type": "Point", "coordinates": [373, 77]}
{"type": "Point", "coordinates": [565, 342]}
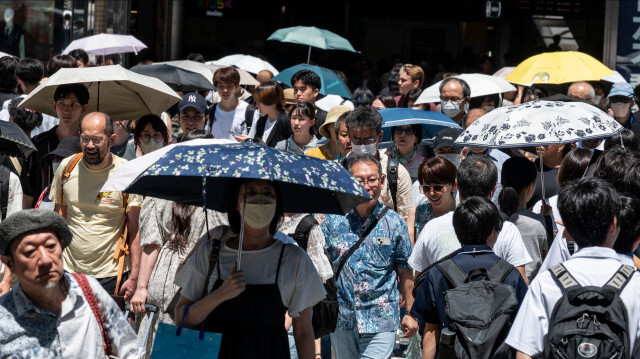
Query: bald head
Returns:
{"type": "Point", "coordinates": [473, 115]}
{"type": "Point", "coordinates": [582, 90]}
{"type": "Point", "coordinates": [264, 76]}
{"type": "Point", "coordinates": [97, 121]}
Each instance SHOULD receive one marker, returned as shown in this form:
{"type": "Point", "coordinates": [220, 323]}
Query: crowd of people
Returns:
{"type": "Point", "coordinates": [458, 249]}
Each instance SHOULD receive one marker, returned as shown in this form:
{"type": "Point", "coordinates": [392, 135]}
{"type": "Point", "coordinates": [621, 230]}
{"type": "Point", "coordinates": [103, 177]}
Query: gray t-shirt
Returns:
{"type": "Point", "coordinates": [534, 236]}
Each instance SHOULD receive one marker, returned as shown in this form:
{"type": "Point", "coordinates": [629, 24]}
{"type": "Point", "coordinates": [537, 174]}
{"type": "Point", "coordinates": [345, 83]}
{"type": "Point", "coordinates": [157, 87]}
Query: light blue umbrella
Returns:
{"type": "Point", "coordinates": [431, 121]}
{"type": "Point", "coordinates": [312, 36]}
{"type": "Point", "coordinates": [331, 84]}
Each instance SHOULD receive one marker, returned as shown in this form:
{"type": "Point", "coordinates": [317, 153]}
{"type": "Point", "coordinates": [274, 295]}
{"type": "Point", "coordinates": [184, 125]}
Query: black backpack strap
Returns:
{"type": "Point", "coordinates": [500, 271]}
{"type": "Point", "coordinates": [392, 179]}
{"type": "Point", "coordinates": [301, 235]}
{"type": "Point", "coordinates": [212, 115]}
{"type": "Point", "coordinates": [262, 123]}
{"type": "Point", "coordinates": [364, 235]}
{"type": "Point", "coordinates": [213, 258]}
{"type": "Point", "coordinates": [452, 272]}
{"type": "Point", "coordinates": [248, 117]}
{"type": "Point", "coordinates": [621, 278]}
{"type": "Point", "coordinates": [564, 279]}
{"type": "Point", "coordinates": [5, 174]}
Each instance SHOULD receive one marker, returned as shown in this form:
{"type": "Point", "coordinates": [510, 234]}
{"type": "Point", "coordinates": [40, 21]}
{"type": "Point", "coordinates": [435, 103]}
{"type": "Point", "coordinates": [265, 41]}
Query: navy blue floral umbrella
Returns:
{"type": "Point", "coordinates": [539, 123]}
{"type": "Point", "coordinates": [307, 185]}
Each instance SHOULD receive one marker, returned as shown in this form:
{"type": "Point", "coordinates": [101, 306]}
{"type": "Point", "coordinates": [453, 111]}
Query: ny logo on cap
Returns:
{"type": "Point", "coordinates": [192, 98]}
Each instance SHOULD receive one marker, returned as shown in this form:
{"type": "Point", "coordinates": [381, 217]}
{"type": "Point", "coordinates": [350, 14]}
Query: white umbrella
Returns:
{"type": "Point", "coordinates": [128, 172]}
{"type": "Point", "coordinates": [120, 93]}
{"type": "Point", "coordinates": [3, 54]}
{"type": "Point", "coordinates": [106, 44]}
{"type": "Point", "coordinates": [616, 77]}
{"type": "Point", "coordinates": [538, 123]}
{"type": "Point", "coordinates": [207, 70]}
{"type": "Point", "coordinates": [248, 63]}
{"type": "Point", "coordinates": [481, 85]}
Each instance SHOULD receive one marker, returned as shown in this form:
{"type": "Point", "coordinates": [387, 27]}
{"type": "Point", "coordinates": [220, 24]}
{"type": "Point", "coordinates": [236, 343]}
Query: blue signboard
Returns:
{"type": "Point", "coordinates": [628, 52]}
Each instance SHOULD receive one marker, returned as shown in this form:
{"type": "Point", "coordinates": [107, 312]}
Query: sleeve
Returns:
{"type": "Point", "coordinates": [54, 193]}
{"type": "Point", "coordinates": [133, 200]}
{"type": "Point", "coordinates": [536, 207]}
{"type": "Point", "coordinates": [148, 225]}
{"type": "Point", "coordinates": [304, 287]}
{"type": "Point", "coordinates": [402, 245]}
{"type": "Point", "coordinates": [123, 339]}
{"type": "Point", "coordinates": [558, 252]}
{"type": "Point", "coordinates": [15, 195]}
{"type": "Point", "coordinates": [530, 327]}
{"type": "Point", "coordinates": [424, 307]}
{"type": "Point", "coordinates": [315, 250]}
{"type": "Point", "coordinates": [510, 246]}
{"type": "Point", "coordinates": [419, 259]}
{"type": "Point", "coordinates": [192, 277]}
{"type": "Point", "coordinates": [404, 195]}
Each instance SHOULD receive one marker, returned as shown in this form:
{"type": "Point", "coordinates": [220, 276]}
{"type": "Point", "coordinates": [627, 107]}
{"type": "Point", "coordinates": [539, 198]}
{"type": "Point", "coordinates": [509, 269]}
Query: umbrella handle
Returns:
{"type": "Point", "coordinates": [241, 238]}
{"type": "Point", "coordinates": [309, 55]}
{"type": "Point", "coordinates": [542, 174]}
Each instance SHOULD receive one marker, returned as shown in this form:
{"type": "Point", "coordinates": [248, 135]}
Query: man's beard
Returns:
{"type": "Point", "coordinates": [51, 285]}
{"type": "Point", "coordinates": [94, 160]}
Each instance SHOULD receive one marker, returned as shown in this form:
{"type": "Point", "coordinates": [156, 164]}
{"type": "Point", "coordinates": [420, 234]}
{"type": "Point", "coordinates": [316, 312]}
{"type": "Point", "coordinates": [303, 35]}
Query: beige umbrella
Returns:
{"type": "Point", "coordinates": [207, 70]}
{"type": "Point", "coordinates": [120, 93]}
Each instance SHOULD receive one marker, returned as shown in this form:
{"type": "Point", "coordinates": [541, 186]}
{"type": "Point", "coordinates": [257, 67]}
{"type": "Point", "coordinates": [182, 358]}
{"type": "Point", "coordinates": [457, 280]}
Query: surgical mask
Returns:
{"type": "Point", "coordinates": [371, 149]}
{"type": "Point", "coordinates": [259, 211]}
{"type": "Point", "coordinates": [596, 99]}
{"type": "Point", "coordinates": [452, 109]}
{"type": "Point", "coordinates": [488, 108]}
{"type": "Point", "coordinates": [451, 157]}
{"type": "Point", "coordinates": [620, 109]}
{"type": "Point", "coordinates": [55, 166]}
{"type": "Point", "coordinates": [150, 146]}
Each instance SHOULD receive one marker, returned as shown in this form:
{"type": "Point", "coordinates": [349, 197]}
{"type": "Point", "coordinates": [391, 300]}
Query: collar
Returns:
{"type": "Point", "coordinates": [365, 221]}
{"type": "Point", "coordinates": [402, 159]}
{"type": "Point", "coordinates": [24, 304]}
{"type": "Point", "coordinates": [475, 248]}
{"type": "Point", "coordinates": [596, 252]}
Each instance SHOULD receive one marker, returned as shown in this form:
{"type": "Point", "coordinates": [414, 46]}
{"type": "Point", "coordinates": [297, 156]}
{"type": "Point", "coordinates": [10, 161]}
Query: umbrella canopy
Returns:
{"type": "Point", "coordinates": [312, 37]}
{"type": "Point", "coordinates": [306, 184]}
{"type": "Point", "coordinates": [481, 85]}
{"type": "Point", "coordinates": [538, 123]}
{"type": "Point", "coordinates": [245, 62]}
{"type": "Point", "coordinates": [431, 121]}
{"type": "Point", "coordinates": [120, 93]}
{"type": "Point", "coordinates": [177, 78]}
{"type": "Point", "coordinates": [557, 68]}
{"type": "Point", "coordinates": [331, 83]}
{"type": "Point", "coordinates": [503, 72]}
{"type": "Point", "coordinates": [207, 70]}
{"type": "Point", "coordinates": [3, 54]}
{"type": "Point", "coordinates": [13, 141]}
{"type": "Point", "coordinates": [106, 44]}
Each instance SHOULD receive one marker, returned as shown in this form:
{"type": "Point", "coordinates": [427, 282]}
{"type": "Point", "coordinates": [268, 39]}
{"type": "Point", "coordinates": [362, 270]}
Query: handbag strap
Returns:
{"type": "Point", "coordinates": [364, 235]}
{"type": "Point", "coordinates": [95, 308]}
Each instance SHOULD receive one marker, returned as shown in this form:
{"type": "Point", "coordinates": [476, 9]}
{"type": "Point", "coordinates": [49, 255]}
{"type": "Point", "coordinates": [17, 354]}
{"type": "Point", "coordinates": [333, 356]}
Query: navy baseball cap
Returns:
{"type": "Point", "coordinates": [195, 100]}
{"type": "Point", "coordinates": [446, 138]}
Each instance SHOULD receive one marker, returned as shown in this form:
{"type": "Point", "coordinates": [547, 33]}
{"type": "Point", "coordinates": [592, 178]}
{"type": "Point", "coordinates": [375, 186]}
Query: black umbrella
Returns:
{"type": "Point", "coordinates": [13, 141]}
{"type": "Point", "coordinates": [175, 77]}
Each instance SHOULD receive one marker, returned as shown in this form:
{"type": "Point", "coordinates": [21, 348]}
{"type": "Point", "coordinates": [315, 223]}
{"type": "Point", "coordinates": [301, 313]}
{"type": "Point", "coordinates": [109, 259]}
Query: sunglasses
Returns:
{"type": "Point", "coordinates": [437, 188]}
{"type": "Point", "coordinates": [620, 99]}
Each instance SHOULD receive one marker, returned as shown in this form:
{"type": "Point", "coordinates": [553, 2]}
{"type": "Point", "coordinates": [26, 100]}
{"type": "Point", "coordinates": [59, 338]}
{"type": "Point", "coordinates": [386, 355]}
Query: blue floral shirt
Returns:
{"type": "Point", "coordinates": [368, 286]}
{"type": "Point", "coordinates": [28, 331]}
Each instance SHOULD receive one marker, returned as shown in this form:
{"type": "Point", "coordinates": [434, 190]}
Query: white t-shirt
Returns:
{"type": "Point", "coordinates": [298, 281]}
{"type": "Point", "coordinates": [225, 121]}
{"type": "Point", "coordinates": [48, 122]}
{"type": "Point", "coordinates": [268, 126]}
{"type": "Point", "coordinates": [553, 203]}
{"type": "Point", "coordinates": [590, 266]}
{"type": "Point", "coordinates": [14, 203]}
{"type": "Point", "coordinates": [438, 239]}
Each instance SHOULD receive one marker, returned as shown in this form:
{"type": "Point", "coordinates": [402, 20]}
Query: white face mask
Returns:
{"type": "Point", "coordinates": [620, 109]}
{"type": "Point", "coordinates": [259, 211]}
{"type": "Point", "coordinates": [451, 157]}
{"type": "Point", "coordinates": [55, 166]}
{"type": "Point", "coordinates": [596, 99]}
{"type": "Point", "coordinates": [150, 146]}
{"type": "Point", "coordinates": [371, 149]}
{"type": "Point", "coordinates": [452, 109]}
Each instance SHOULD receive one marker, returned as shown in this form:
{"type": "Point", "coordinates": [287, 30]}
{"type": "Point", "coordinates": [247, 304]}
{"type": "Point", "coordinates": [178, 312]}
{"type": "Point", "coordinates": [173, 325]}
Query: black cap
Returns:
{"type": "Point", "coordinates": [195, 100]}
{"type": "Point", "coordinates": [445, 138]}
{"type": "Point", "coordinates": [69, 146]}
{"type": "Point", "coordinates": [33, 221]}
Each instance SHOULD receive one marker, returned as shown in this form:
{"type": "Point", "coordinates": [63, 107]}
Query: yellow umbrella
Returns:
{"type": "Point", "coordinates": [557, 68]}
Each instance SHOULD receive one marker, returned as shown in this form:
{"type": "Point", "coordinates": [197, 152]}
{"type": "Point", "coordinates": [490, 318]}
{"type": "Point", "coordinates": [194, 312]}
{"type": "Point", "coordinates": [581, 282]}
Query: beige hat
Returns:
{"type": "Point", "coordinates": [332, 116]}
{"type": "Point", "coordinates": [289, 98]}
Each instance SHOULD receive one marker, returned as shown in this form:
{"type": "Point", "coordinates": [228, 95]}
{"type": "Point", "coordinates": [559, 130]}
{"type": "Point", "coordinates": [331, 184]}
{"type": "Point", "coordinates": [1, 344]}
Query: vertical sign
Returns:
{"type": "Point", "coordinates": [628, 52]}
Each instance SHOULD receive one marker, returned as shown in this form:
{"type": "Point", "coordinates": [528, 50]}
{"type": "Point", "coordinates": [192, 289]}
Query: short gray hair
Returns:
{"type": "Point", "coordinates": [355, 158]}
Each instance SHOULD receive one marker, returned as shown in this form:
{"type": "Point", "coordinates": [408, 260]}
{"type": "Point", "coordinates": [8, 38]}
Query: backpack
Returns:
{"type": "Point", "coordinates": [590, 321]}
{"type": "Point", "coordinates": [392, 179]}
{"type": "Point", "coordinates": [479, 313]}
{"type": "Point", "coordinates": [324, 316]}
{"type": "Point", "coordinates": [5, 173]}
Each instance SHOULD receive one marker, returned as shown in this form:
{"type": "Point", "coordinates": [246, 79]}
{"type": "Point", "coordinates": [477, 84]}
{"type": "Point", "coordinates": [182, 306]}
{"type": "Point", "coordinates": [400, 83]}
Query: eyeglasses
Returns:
{"type": "Point", "coordinates": [95, 139]}
{"type": "Point", "coordinates": [145, 137]}
{"type": "Point", "coordinates": [366, 141]}
{"type": "Point", "coordinates": [437, 188]}
{"type": "Point", "coordinates": [370, 181]}
{"type": "Point", "coordinates": [622, 99]}
{"type": "Point", "coordinates": [452, 99]}
{"type": "Point", "coordinates": [405, 130]}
